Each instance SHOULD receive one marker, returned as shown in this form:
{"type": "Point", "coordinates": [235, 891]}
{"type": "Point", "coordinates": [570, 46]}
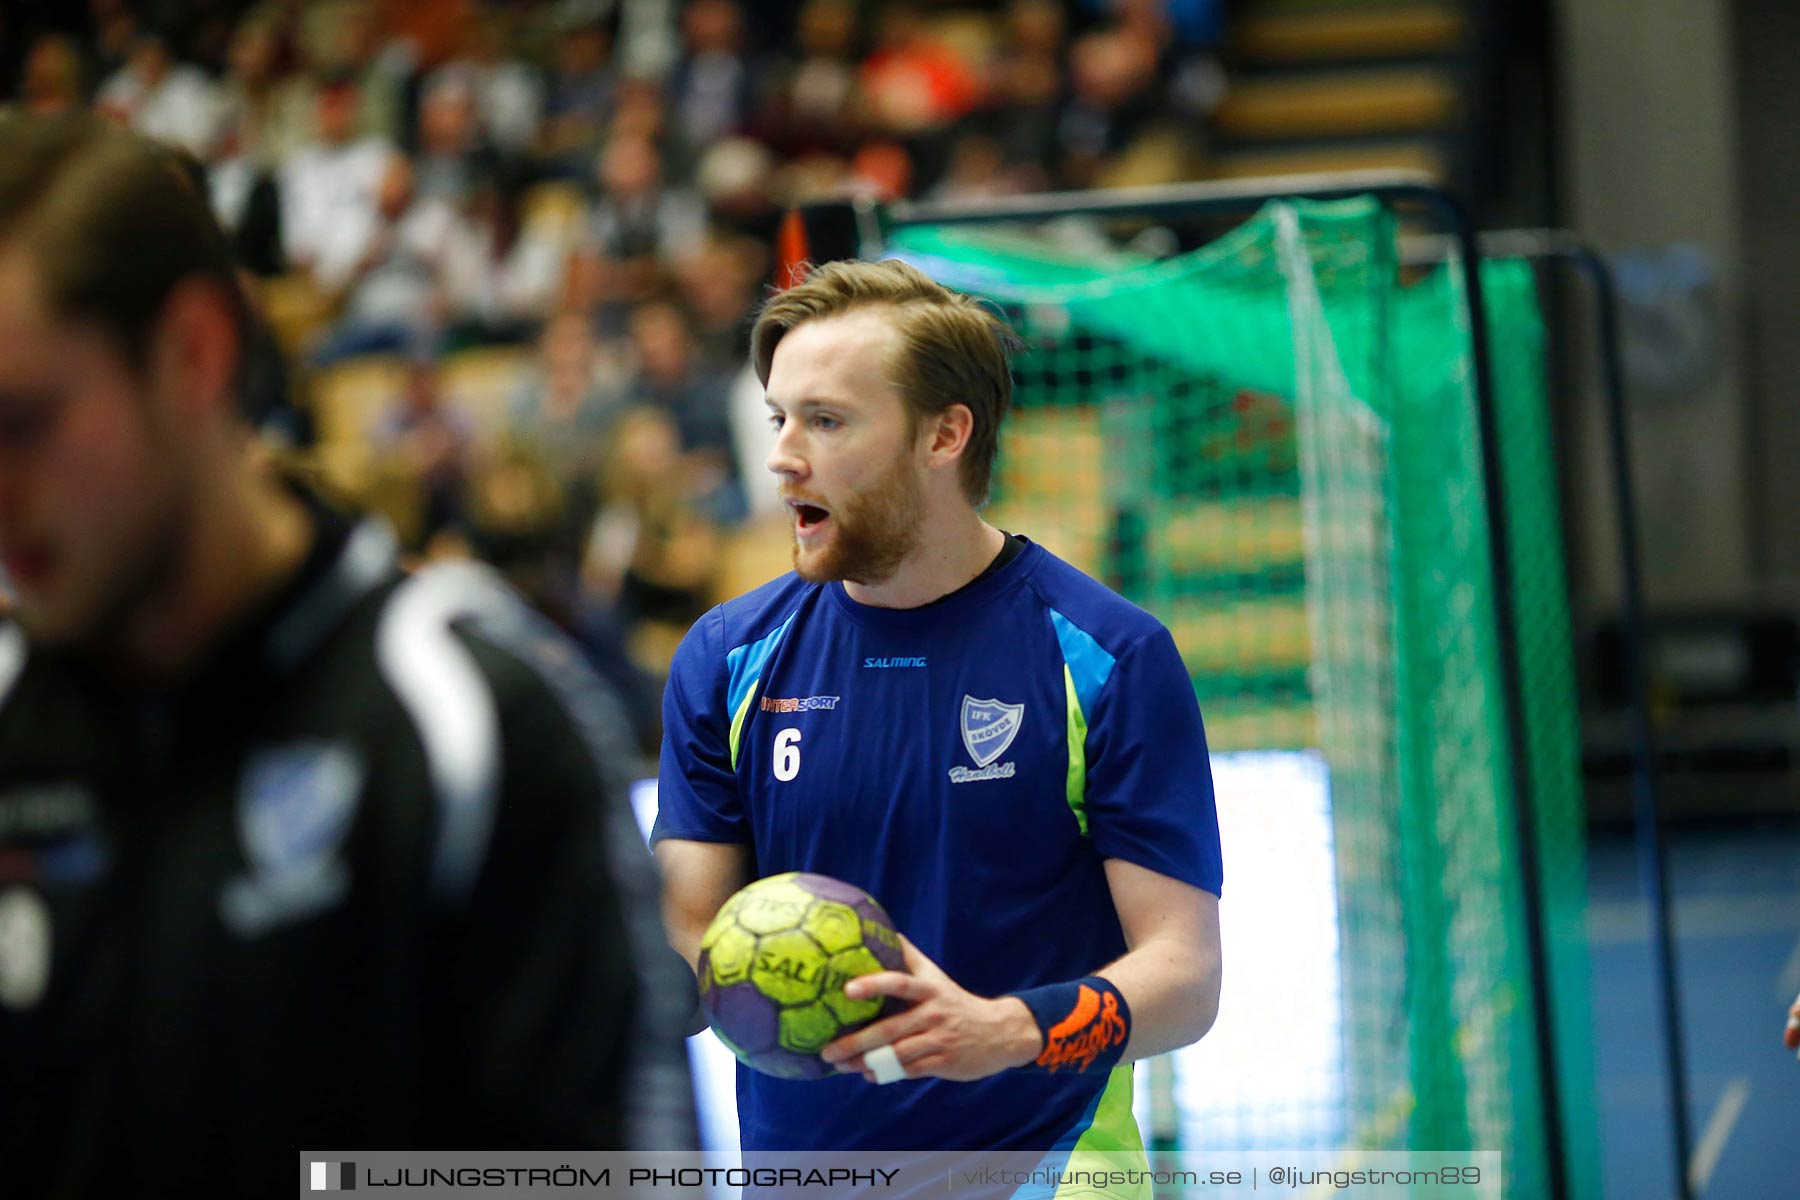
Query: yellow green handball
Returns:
{"type": "Point", "coordinates": [774, 962]}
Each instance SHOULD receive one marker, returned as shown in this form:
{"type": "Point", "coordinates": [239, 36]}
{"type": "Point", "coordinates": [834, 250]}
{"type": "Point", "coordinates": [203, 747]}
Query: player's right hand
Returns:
{"type": "Point", "coordinates": [1791, 1039]}
{"type": "Point", "coordinates": [945, 1032]}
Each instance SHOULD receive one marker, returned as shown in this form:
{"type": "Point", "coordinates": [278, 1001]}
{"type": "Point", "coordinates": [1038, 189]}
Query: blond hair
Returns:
{"type": "Point", "coordinates": [953, 350]}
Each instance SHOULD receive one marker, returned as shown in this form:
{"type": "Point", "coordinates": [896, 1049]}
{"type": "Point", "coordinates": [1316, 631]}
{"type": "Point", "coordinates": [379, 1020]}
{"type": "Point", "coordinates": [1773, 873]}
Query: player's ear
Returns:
{"type": "Point", "coordinates": [196, 348]}
{"type": "Point", "coordinates": [950, 433]}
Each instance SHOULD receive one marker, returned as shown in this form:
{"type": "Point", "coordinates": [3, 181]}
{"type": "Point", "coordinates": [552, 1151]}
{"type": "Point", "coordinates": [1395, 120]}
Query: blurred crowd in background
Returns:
{"type": "Point", "coordinates": [506, 255]}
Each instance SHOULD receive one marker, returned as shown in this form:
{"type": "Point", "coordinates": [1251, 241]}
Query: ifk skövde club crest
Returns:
{"type": "Point", "coordinates": [988, 728]}
{"type": "Point", "coordinates": [297, 804]}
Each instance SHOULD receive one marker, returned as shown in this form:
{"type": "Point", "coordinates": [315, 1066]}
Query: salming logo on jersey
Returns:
{"type": "Point", "coordinates": [872, 663]}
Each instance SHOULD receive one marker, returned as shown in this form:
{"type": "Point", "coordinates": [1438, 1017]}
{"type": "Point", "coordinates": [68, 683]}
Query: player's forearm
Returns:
{"type": "Point", "coordinates": [1172, 990]}
{"type": "Point", "coordinates": [685, 921]}
{"type": "Point", "coordinates": [698, 877]}
{"type": "Point", "coordinates": [684, 928]}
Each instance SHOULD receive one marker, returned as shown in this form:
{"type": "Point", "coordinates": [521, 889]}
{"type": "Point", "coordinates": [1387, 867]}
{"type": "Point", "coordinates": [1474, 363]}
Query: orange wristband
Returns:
{"type": "Point", "coordinates": [1085, 1024]}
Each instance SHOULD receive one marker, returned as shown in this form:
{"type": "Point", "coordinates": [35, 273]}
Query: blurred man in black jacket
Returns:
{"type": "Point", "coordinates": [295, 852]}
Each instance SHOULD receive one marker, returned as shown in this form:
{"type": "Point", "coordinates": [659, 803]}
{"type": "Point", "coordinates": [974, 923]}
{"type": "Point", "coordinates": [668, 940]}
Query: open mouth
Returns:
{"type": "Point", "coordinates": [808, 517]}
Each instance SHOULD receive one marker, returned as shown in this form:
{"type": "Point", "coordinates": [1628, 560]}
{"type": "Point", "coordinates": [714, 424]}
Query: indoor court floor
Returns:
{"type": "Point", "coordinates": [1737, 924]}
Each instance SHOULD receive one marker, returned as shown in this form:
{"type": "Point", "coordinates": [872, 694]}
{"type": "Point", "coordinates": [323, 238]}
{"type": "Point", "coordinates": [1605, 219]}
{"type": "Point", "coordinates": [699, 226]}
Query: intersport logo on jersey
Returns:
{"type": "Point", "coordinates": [794, 704]}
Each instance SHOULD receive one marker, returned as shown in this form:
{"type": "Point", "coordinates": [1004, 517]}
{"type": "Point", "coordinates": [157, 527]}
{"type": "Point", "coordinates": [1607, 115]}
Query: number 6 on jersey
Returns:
{"type": "Point", "coordinates": [787, 754]}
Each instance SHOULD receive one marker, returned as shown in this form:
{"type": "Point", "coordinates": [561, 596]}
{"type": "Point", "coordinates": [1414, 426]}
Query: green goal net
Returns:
{"type": "Point", "coordinates": [1271, 443]}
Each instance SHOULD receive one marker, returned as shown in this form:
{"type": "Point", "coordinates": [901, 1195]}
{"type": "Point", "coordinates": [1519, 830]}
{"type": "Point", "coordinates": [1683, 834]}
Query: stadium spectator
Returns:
{"type": "Point", "coordinates": [501, 272]}
{"type": "Point", "coordinates": [601, 287]}
{"type": "Point", "coordinates": [509, 94]}
{"type": "Point", "coordinates": [565, 408]}
{"type": "Point", "coordinates": [114, 25]}
{"type": "Point", "coordinates": [525, 528]}
{"type": "Point", "coordinates": [578, 95]}
{"type": "Point", "coordinates": [693, 394]}
{"type": "Point", "coordinates": [814, 177]}
{"type": "Point", "coordinates": [1186, 24]}
{"type": "Point", "coordinates": [813, 103]}
{"type": "Point", "coordinates": [431, 440]}
{"type": "Point", "coordinates": [735, 177]}
{"type": "Point", "coordinates": [450, 152]}
{"type": "Point", "coordinates": [1029, 91]}
{"type": "Point", "coordinates": [713, 86]}
{"type": "Point", "coordinates": [1114, 80]}
{"type": "Point", "coordinates": [720, 281]}
{"type": "Point", "coordinates": [432, 31]}
{"type": "Point", "coordinates": [265, 116]}
{"type": "Point", "coordinates": [1028, 82]}
{"type": "Point", "coordinates": [349, 39]}
{"type": "Point", "coordinates": [294, 899]}
{"type": "Point", "coordinates": [387, 270]}
{"type": "Point", "coordinates": [977, 169]}
{"type": "Point", "coordinates": [1186, 32]}
{"type": "Point", "coordinates": [641, 110]}
{"type": "Point", "coordinates": [652, 557]}
{"type": "Point", "coordinates": [1037, 27]}
{"type": "Point", "coordinates": [882, 171]}
{"type": "Point", "coordinates": [637, 216]}
{"type": "Point", "coordinates": [53, 80]}
{"type": "Point", "coordinates": [911, 82]}
{"type": "Point", "coordinates": [161, 98]}
{"type": "Point", "coordinates": [329, 186]}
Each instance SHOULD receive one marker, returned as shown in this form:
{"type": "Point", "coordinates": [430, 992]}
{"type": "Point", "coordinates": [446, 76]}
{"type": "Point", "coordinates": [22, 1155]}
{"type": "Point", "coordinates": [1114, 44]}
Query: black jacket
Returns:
{"type": "Point", "coordinates": [368, 879]}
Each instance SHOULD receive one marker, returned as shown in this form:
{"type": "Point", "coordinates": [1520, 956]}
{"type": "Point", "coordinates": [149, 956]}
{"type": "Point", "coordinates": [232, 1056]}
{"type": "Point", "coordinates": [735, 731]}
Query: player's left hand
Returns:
{"type": "Point", "coordinates": [1791, 1037]}
{"type": "Point", "coordinates": [948, 1033]}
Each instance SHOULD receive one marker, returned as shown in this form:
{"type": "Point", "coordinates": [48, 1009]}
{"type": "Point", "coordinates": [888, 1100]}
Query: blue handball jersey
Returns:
{"type": "Point", "coordinates": [970, 764]}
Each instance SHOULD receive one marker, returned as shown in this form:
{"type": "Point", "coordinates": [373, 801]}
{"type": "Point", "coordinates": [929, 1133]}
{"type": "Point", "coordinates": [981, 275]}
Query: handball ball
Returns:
{"type": "Point", "coordinates": [774, 962]}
